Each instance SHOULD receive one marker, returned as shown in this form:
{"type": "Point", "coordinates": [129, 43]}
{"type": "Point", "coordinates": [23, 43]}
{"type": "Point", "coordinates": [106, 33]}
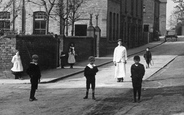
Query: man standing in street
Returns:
{"type": "Point", "coordinates": [120, 59]}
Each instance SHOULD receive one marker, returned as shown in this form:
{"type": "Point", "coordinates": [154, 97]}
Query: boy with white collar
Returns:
{"type": "Point", "coordinates": [90, 72]}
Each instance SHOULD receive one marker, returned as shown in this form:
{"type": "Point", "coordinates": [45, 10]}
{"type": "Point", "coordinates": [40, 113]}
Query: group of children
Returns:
{"type": "Point", "coordinates": [137, 73]}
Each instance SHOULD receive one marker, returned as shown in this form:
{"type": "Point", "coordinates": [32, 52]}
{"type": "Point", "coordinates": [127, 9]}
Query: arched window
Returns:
{"type": "Point", "coordinates": [4, 22]}
{"type": "Point", "coordinates": [39, 22]}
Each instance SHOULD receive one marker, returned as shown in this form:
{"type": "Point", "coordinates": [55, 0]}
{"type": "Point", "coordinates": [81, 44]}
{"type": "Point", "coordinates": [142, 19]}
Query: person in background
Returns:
{"type": "Point", "coordinates": [148, 57]}
{"type": "Point", "coordinates": [90, 72]}
{"type": "Point", "coordinates": [34, 73]}
{"type": "Point", "coordinates": [71, 57]}
{"type": "Point", "coordinates": [120, 59]}
{"type": "Point", "coordinates": [17, 68]}
{"type": "Point", "coordinates": [137, 73]}
{"type": "Point", "coordinates": [63, 59]}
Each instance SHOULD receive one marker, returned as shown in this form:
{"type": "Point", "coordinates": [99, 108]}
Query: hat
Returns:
{"type": "Point", "coordinates": [91, 58]}
{"type": "Point", "coordinates": [35, 57]}
{"type": "Point", "coordinates": [119, 40]}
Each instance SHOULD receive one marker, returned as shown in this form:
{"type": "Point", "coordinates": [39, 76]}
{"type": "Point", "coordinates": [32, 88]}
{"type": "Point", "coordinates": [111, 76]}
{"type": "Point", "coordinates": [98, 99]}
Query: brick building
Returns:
{"type": "Point", "coordinates": [163, 8]}
{"type": "Point", "coordinates": [155, 17]}
{"type": "Point", "coordinates": [27, 18]}
{"type": "Point", "coordinates": [118, 19]}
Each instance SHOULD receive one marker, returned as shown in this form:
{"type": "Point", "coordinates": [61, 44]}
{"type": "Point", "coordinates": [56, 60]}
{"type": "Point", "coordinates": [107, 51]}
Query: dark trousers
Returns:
{"type": "Point", "coordinates": [34, 86]}
{"type": "Point", "coordinates": [135, 91]}
{"type": "Point", "coordinates": [32, 93]}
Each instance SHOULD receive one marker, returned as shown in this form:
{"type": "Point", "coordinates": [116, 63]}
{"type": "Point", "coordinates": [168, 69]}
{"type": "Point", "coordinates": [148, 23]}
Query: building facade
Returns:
{"type": "Point", "coordinates": [118, 19]}
{"type": "Point", "coordinates": [155, 18]}
{"type": "Point", "coordinates": [27, 18]}
{"type": "Point", "coordinates": [163, 9]}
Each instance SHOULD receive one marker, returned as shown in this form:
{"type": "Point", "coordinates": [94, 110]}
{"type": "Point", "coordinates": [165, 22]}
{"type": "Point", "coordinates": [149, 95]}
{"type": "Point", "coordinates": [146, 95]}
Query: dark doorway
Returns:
{"type": "Point", "coordinates": [146, 28]}
{"type": "Point", "coordinates": [80, 30]}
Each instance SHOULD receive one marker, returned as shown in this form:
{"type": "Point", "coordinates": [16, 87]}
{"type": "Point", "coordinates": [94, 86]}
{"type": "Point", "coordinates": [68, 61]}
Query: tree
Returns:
{"type": "Point", "coordinates": [14, 7]}
{"type": "Point", "coordinates": [177, 14]}
{"type": "Point", "coordinates": [74, 14]}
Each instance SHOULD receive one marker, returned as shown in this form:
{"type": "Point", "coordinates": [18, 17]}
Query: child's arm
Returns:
{"type": "Point", "coordinates": [142, 71]}
{"type": "Point", "coordinates": [132, 71]}
{"type": "Point", "coordinates": [29, 71]}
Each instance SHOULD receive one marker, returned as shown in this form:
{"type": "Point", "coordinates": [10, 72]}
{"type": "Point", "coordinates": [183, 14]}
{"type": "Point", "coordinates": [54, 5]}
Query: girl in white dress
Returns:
{"type": "Point", "coordinates": [17, 68]}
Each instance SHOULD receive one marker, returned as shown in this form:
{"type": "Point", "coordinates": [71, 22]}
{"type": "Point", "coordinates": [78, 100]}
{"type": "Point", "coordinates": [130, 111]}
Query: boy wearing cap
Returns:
{"type": "Point", "coordinates": [34, 72]}
{"type": "Point", "coordinates": [90, 72]}
{"type": "Point", "coordinates": [137, 73]}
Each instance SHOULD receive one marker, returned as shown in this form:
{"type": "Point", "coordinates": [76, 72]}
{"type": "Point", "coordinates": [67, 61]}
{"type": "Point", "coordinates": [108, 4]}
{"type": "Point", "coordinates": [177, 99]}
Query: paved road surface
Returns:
{"type": "Point", "coordinates": [162, 94]}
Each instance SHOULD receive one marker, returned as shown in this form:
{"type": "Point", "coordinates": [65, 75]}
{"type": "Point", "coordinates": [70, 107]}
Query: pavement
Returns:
{"type": "Point", "coordinates": [58, 74]}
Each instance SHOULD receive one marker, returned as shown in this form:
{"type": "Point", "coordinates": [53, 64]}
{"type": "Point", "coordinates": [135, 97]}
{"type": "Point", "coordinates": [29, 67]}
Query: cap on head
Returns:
{"type": "Point", "coordinates": [91, 58]}
{"type": "Point", "coordinates": [119, 40]}
{"type": "Point", "coordinates": [35, 57]}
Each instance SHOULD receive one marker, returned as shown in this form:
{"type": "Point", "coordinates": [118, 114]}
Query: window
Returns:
{"type": "Point", "coordinates": [146, 28]}
{"type": "Point", "coordinates": [4, 22]}
{"type": "Point", "coordinates": [39, 22]}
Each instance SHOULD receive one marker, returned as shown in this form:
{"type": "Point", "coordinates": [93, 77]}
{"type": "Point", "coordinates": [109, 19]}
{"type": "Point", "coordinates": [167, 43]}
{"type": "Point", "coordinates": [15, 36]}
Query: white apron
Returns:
{"type": "Point", "coordinates": [120, 57]}
{"type": "Point", "coordinates": [120, 70]}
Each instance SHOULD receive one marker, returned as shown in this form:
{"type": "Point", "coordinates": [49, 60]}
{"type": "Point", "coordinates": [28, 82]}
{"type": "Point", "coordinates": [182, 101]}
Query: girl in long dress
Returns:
{"type": "Point", "coordinates": [17, 68]}
{"type": "Point", "coordinates": [71, 57]}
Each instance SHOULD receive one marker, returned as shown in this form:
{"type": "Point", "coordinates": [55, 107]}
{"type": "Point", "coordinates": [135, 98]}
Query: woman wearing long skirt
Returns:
{"type": "Point", "coordinates": [119, 59]}
{"type": "Point", "coordinates": [17, 68]}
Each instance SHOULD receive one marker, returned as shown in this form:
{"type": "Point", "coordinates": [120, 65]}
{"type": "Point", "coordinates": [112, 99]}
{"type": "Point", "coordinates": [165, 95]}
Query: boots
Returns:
{"type": "Point", "coordinates": [93, 95]}
{"type": "Point", "coordinates": [86, 95]}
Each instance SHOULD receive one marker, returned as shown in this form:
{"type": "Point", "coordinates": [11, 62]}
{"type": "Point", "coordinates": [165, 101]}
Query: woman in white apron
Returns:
{"type": "Point", "coordinates": [119, 59]}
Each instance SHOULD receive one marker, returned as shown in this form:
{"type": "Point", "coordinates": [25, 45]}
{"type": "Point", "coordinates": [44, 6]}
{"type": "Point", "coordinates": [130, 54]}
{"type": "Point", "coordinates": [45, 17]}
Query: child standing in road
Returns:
{"type": "Point", "coordinates": [90, 72]}
{"type": "Point", "coordinates": [148, 57]}
{"type": "Point", "coordinates": [137, 73]}
{"type": "Point", "coordinates": [34, 73]}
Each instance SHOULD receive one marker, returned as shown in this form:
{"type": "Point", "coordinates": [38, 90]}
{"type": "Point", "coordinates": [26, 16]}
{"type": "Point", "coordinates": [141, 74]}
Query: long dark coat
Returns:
{"type": "Point", "coordinates": [137, 73]}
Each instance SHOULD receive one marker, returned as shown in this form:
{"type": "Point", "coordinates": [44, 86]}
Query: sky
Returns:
{"type": "Point", "coordinates": [170, 7]}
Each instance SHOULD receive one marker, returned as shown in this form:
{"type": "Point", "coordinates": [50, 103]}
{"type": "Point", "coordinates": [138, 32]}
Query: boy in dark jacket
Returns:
{"type": "Point", "coordinates": [137, 73]}
{"type": "Point", "coordinates": [34, 72]}
{"type": "Point", "coordinates": [90, 72]}
{"type": "Point", "coordinates": [148, 57]}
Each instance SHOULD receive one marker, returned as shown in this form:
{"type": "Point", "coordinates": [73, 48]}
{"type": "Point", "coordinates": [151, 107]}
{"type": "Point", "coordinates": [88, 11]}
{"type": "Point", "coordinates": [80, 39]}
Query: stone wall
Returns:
{"type": "Point", "coordinates": [7, 50]}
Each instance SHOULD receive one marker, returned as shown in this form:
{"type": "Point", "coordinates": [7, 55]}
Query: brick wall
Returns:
{"type": "Point", "coordinates": [84, 46]}
{"type": "Point", "coordinates": [7, 50]}
{"type": "Point", "coordinates": [46, 47]}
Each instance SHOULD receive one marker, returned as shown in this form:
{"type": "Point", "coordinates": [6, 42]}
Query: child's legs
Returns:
{"type": "Point", "coordinates": [148, 62]}
{"type": "Point", "coordinates": [93, 86]}
{"type": "Point", "coordinates": [32, 92]}
{"type": "Point", "coordinates": [87, 85]}
{"type": "Point", "coordinates": [134, 92]}
{"type": "Point", "coordinates": [139, 93]}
